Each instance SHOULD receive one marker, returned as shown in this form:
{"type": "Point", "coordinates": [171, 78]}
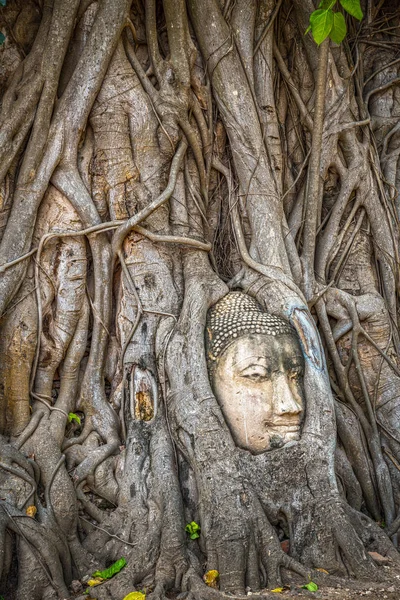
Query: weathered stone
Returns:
{"type": "Point", "coordinates": [257, 377]}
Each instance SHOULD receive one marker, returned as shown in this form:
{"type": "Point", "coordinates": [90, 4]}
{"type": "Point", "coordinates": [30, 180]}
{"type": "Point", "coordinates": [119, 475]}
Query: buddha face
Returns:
{"type": "Point", "coordinates": [258, 382]}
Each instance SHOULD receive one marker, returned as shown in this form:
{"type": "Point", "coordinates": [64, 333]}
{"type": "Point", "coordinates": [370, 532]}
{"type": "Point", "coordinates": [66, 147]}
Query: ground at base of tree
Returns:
{"type": "Point", "coordinates": [199, 297]}
{"type": "Point", "coordinates": [330, 593]}
{"type": "Point", "coordinates": [331, 589]}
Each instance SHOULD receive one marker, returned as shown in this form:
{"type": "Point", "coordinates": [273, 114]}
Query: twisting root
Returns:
{"type": "Point", "coordinates": [29, 429]}
{"type": "Point", "coordinates": [124, 229]}
{"type": "Point", "coordinates": [273, 273]}
{"type": "Point", "coordinates": [35, 536]}
{"type": "Point", "coordinates": [47, 490]}
{"type": "Point", "coordinates": [23, 476]}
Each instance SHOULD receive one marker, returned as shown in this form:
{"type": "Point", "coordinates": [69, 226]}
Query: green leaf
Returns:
{"type": "Point", "coordinates": [2, 38]}
{"type": "Point", "coordinates": [327, 4]}
{"type": "Point", "coordinates": [321, 22]}
{"type": "Point", "coordinates": [353, 8]}
{"type": "Point", "coordinates": [74, 417]}
{"type": "Point", "coordinates": [339, 29]}
{"type": "Point", "coordinates": [311, 586]}
{"type": "Point", "coordinates": [111, 571]}
{"type": "Point", "coordinates": [193, 530]}
{"type": "Point", "coordinates": [3, 3]}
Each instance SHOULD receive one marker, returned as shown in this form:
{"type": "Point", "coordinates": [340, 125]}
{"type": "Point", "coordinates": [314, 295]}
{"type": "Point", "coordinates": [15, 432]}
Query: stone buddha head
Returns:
{"type": "Point", "coordinates": [256, 368]}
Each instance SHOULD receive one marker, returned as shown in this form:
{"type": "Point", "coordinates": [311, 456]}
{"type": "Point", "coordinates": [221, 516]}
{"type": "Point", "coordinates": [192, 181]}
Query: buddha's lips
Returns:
{"type": "Point", "coordinates": [278, 427]}
{"type": "Point", "coordinates": [291, 425]}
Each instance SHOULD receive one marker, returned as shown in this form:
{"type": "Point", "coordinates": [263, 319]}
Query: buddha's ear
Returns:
{"type": "Point", "coordinates": [309, 336]}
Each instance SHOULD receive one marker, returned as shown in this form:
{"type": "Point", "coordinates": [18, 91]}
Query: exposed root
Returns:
{"type": "Point", "coordinates": [159, 138]}
{"type": "Point", "coordinates": [42, 544]}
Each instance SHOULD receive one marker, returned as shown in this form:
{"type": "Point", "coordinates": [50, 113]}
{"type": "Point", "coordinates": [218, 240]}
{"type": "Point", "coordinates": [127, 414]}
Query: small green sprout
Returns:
{"type": "Point", "coordinates": [73, 417]}
{"type": "Point", "coordinates": [193, 529]}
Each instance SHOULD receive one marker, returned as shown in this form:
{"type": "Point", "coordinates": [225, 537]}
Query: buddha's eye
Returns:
{"type": "Point", "coordinates": [254, 377]}
{"type": "Point", "coordinates": [255, 373]}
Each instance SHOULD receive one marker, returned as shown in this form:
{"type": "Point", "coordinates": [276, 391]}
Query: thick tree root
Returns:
{"type": "Point", "coordinates": [138, 114]}
{"type": "Point", "coordinates": [44, 545]}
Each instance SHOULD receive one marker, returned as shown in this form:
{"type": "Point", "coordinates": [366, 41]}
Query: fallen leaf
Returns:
{"type": "Point", "coordinates": [311, 586]}
{"type": "Point", "coordinates": [323, 571]}
{"type": "Point", "coordinates": [31, 511]}
{"type": "Point", "coordinates": [379, 559]}
{"type": "Point", "coordinates": [211, 578]}
{"type": "Point", "coordinates": [112, 570]}
{"type": "Point", "coordinates": [135, 596]}
{"type": "Point", "coordinates": [285, 545]}
{"type": "Point", "coordinates": [278, 590]}
{"type": "Point", "coordinates": [95, 581]}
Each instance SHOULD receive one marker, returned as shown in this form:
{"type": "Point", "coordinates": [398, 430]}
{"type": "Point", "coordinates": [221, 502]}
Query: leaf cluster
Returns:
{"type": "Point", "coordinates": [193, 529]}
{"type": "Point", "coordinates": [325, 22]}
{"type": "Point", "coordinates": [73, 417]}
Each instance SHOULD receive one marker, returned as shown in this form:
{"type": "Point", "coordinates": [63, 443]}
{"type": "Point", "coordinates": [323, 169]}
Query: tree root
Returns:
{"type": "Point", "coordinates": [37, 537]}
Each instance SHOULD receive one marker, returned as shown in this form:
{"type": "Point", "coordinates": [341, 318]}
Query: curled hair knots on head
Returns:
{"type": "Point", "coordinates": [235, 315]}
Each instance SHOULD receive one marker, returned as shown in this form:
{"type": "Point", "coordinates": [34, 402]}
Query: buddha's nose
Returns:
{"type": "Point", "coordinates": [285, 401]}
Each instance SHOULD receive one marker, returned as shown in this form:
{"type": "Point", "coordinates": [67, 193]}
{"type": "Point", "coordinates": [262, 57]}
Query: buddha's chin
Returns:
{"type": "Point", "coordinates": [289, 435]}
{"type": "Point", "coordinates": [275, 437]}
{"type": "Point", "coordinates": [279, 436]}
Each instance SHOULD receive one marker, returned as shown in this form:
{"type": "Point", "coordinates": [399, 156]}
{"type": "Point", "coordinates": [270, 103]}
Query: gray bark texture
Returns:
{"type": "Point", "coordinates": [154, 156]}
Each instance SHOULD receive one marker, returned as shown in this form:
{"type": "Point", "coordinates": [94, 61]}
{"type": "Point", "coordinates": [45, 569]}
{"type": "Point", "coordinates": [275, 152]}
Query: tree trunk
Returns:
{"type": "Point", "coordinates": [161, 160]}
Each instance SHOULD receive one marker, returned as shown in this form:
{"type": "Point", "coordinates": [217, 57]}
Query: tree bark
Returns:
{"type": "Point", "coordinates": [155, 156]}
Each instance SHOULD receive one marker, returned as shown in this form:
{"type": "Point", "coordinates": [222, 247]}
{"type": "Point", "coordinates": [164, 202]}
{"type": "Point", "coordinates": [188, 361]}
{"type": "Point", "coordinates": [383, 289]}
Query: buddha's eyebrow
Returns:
{"type": "Point", "coordinates": [249, 359]}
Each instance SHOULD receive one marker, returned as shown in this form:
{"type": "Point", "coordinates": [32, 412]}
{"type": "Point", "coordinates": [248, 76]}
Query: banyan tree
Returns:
{"type": "Point", "coordinates": [199, 275]}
